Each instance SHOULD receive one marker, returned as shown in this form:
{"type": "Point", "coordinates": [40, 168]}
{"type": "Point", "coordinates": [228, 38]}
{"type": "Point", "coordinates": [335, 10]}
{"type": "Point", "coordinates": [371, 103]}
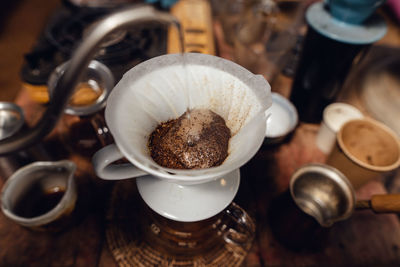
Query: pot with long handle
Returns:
{"type": "Point", "coordinates": [326, 194]}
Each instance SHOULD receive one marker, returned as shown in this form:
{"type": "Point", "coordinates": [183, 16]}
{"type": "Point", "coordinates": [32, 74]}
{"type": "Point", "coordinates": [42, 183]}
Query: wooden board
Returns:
{"type": "Point", "coordinates": [365, 239]}
{"type": "Point", "coordinates": [196, 23]}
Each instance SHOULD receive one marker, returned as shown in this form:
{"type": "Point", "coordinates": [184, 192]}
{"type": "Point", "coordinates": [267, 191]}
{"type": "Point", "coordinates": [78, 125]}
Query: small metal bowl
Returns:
{"type": "Point", "coordinates": [281, 121]}
{"type": "Point", "coordinates": [11, 119]}
{"type": "Point", "coordinates": [322, 192]}
{"type": "Point", "coordinates": [98, 77]}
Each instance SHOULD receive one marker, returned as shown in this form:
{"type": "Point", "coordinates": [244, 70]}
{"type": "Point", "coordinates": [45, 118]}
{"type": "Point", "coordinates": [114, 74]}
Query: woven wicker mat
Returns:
{"type": "Point", "coordinates": [128, 247]}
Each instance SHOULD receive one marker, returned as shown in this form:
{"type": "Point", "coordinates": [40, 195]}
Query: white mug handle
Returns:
{"type": "Point", "coordinates": [105, 169]}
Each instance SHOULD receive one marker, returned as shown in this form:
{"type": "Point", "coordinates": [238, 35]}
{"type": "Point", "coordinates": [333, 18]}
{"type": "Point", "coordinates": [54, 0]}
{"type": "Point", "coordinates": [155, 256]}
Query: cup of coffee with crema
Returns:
{"type": "Point", "coordinates": [364, 150]}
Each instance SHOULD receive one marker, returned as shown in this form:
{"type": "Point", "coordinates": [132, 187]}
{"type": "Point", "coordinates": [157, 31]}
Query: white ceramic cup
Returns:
{"type": "Point", "coordinates": [163, 88]}
{"type": "Point", "coordinates": [334, 116]}
{"type": "Point", "coordinates": [282, 119]}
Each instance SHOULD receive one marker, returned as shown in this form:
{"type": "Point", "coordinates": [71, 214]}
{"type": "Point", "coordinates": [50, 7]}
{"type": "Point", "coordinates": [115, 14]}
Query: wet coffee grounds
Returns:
{"type": "Point", "coordinates": [197, 139]}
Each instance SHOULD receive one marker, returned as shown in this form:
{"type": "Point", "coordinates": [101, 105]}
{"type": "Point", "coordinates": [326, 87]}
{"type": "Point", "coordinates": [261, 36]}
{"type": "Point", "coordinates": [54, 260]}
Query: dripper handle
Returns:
{"type": "Point", "coordinates": [388, 203]}
{"type": "Point", "coordinates": [107, 170]}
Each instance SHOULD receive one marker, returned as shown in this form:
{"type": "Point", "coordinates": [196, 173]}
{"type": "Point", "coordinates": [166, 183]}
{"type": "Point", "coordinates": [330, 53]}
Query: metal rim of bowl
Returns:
{"type": "Point", "coordinates": [333, 174]}
{"type": "Point", "coordinates": [13, 107]}
{"type": "Point", "coordinates": [100, 103]}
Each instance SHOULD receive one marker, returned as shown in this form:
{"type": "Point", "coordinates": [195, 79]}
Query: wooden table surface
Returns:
{"type": "Point", "coordinates": [365, 239]}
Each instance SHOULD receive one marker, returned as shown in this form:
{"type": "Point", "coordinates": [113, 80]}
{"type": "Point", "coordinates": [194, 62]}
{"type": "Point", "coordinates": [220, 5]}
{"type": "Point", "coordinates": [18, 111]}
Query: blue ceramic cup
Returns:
{"type": "Point", "coordinates": [353, 11]}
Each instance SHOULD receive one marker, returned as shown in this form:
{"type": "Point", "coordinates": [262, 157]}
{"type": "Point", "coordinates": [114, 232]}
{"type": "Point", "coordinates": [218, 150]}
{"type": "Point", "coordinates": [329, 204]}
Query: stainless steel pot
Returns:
{"type": "Point", "coordinates": [327, 195]}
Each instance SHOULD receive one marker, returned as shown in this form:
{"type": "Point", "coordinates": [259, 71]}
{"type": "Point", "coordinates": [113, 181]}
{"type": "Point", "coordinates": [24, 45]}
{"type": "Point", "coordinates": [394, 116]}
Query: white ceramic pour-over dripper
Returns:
{"type": "Point", "coordinates": [163, 88]}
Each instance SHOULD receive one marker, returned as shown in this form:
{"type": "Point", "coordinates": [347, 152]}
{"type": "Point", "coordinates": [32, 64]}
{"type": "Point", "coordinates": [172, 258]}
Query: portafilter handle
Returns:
{"type": "Point", "coordinates": [85, 52]}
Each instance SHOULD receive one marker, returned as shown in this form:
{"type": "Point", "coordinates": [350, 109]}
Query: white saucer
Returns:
{"type": "Point", "coordinates": [188, 203]}
{"type": "Point", "coordinates": [324, 23]}
{"type": "Point", "coordinates": [282, 118]}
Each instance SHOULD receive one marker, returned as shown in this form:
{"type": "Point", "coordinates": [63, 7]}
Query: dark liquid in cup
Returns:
{"type": "Point", "coordinates": [322, 70]}
{"type": "Point", "coordinates": [38, 201]}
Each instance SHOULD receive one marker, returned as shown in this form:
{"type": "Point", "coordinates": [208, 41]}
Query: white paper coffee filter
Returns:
{"type": "Point", "coordinates": [162, 89]}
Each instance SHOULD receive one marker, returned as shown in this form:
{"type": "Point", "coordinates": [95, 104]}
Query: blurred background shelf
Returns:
{"type": "Point", "coordinates": [22, 21]}
{"type": "Point", "coordinates": [20, 24]}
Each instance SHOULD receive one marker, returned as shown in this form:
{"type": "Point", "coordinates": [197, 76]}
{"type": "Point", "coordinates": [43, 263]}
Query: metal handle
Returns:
{"type": "Point", "coordinates": [79, 62]}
